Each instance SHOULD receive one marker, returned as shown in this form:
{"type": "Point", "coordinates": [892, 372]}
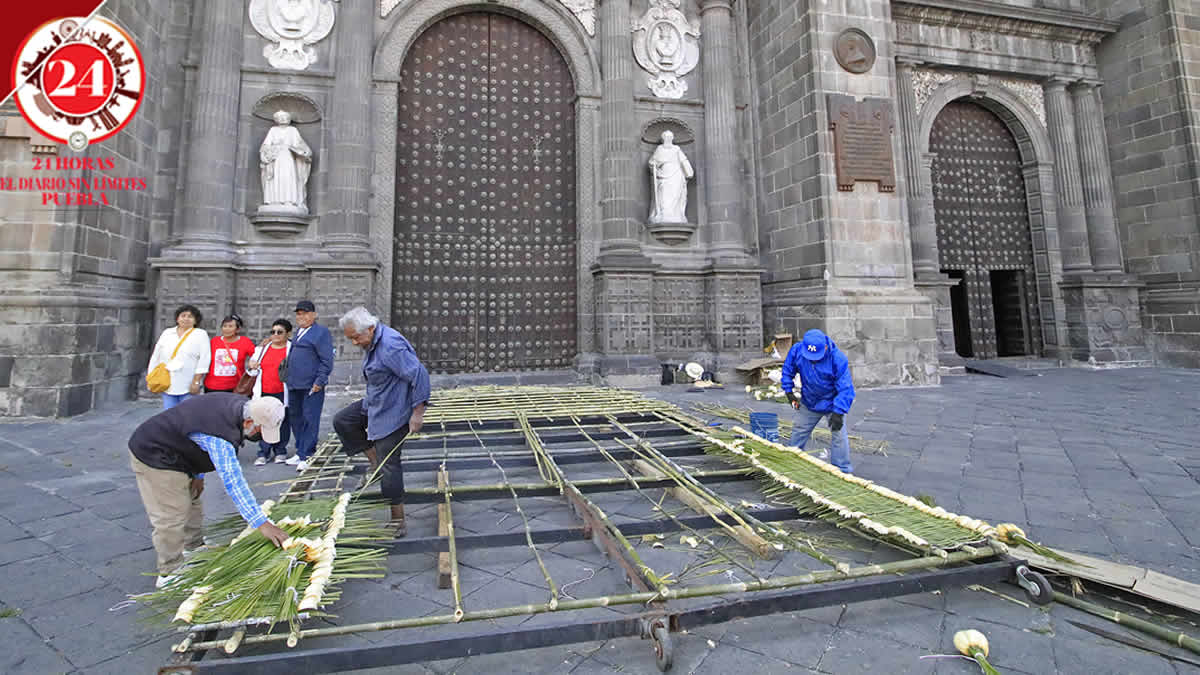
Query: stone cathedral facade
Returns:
{"type": "Point", "coordinates": [926, 181]}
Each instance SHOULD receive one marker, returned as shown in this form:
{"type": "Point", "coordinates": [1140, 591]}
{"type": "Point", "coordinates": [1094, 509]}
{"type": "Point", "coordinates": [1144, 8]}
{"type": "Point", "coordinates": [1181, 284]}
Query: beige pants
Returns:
{"type": "Point", "coordinates": [177, 519]}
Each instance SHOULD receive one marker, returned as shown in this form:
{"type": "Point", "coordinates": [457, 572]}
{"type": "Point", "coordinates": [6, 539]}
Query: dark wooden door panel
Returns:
{"type": "Point", "coordinates": [485, 270]}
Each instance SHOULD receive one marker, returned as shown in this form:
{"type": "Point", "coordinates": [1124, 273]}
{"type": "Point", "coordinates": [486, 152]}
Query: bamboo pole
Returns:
{"type": "Point", "coordinates": [613, 530]}
{"type": "Point", "coordinates": [743, 534]}
{"type": "Point", "coordinates": [589, 482]}
{"type": "Point", "coordinates": [700, 537]}
{"type": "Point", "coordinates": [780, 583]}
{"type": "Point", "coordinates": [443, 565]}
{"type": "Point", "coordinates": [452, 556]}
{"type": "Point", "coordinates": [740, 515]}
{"type": "Point", "coordinates": [1174, 637]}
{"type": "Point", "coordinates": [528, 530]}
{"type": "Point", "coordinates": [235, 640]}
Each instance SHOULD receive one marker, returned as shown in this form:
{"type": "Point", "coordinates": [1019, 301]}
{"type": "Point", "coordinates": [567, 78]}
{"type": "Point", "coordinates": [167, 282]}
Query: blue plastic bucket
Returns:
{"type": "Point", "coordinates": [765, 424]}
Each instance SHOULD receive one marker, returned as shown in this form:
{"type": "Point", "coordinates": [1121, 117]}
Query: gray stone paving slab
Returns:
{"type": "Point", "coordinates": [24, 653]}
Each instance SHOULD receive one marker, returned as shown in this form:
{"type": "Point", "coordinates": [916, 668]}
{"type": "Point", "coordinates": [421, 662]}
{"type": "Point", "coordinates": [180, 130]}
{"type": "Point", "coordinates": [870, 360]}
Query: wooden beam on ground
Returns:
{"type": "Point", "coordinates": [443, 511]}
{"type": "Point", "coordinates": [1138, 580]}
{"type": "Point", "coordinates": [745, 536]}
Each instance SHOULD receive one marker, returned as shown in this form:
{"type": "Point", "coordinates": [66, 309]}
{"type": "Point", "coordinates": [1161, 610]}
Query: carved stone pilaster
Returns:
{"type": "Point", "coordinates": [720, 174]}
{"type": "Point", "coordinates": [620, 222]}
{"type": "Point", "coordinates": [1072, 224]}
{"type": "Point", "coordinates": [346, 223]}
{"type": "Point", "coordinates": [207, 213]}
{"type": "Point", "coordinates": [918, 191]}
{"type": "Point", "coordinates": [1097, 179]}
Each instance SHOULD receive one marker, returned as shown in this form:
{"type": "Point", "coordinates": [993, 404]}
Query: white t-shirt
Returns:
{"type": "Point", "coordinates": [192, 359]}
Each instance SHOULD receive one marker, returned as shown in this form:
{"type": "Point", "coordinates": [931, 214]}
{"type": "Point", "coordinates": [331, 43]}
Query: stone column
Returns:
{"type": "Point", "coordinates": [918, 192]}
{"type": "Point", "coordinates": [1072, 224]}
{"type": "Point", "coordinates": [346, 223]}
{"type": "Point", "coordinates": [212, 150]}
{"type": "Point", "coordinates": [720, 171]}
{"type": "Point", "coordinates": [622, 276]}
{"type": "Point", "coordinates": [1097, 179]}
{"type": "Point", "coordinates": [619, 220]}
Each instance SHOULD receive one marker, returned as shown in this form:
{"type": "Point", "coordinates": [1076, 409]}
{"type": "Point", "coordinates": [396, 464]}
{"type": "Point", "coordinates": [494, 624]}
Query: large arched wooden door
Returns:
{"type": "Point", "coordinates": [484, 271]}
{"type": "Point", "coordinates": [983, 233]}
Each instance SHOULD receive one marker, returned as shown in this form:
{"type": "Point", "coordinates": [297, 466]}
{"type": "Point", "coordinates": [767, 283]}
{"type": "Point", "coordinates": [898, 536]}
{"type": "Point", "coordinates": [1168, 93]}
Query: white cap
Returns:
{"type": "Point", "coordinates": [267, 412]}
{"type": "Point", "coordinates": [694, 370]}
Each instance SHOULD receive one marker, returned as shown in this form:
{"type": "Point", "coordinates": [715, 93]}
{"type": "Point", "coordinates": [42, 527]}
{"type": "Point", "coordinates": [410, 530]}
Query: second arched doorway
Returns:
{"type": "Point", "coordinates": [484, 271]}
{"type": "Point", "coordinates": [983, 233]}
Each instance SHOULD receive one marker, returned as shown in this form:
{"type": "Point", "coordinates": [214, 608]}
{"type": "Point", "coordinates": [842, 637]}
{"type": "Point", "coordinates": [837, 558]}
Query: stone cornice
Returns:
{"type": "Point", "coordinates": [984, 15]}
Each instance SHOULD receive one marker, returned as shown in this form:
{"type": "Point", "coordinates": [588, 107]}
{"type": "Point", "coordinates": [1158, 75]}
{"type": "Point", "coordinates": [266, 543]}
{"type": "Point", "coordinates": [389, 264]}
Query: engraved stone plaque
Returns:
{"type": "Point", "coordinates": [862, 141]}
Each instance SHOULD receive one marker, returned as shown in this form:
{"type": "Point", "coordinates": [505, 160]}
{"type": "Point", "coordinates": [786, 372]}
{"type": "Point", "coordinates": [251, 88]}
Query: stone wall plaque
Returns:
{"type": "Point", "coordinates": [862, 141]}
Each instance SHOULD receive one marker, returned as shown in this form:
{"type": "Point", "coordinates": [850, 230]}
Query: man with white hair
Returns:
{"type": "Point", "coordinates": [171, 452]}
{"type": "Point", "coordinates": [394, 405]}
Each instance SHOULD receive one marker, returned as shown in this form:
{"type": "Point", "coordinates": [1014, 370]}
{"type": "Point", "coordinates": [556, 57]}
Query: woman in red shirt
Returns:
{"type": "Point", "coordinates": [270, 362]}
{"type": "Point", "coordinates": [230, 350]}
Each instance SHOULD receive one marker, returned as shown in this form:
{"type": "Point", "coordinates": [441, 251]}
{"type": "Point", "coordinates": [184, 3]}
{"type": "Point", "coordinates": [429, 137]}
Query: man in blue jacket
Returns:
{"type": "Point", "coordinates": [309, 365]}
{"type": "Point", "coordinates": [826, 388]}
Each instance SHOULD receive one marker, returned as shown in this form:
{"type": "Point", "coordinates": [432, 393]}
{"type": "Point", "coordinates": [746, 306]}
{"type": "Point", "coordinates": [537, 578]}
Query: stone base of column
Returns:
{"type": "Point", "coordinates": [733, 307]}
{"type": "Point", "coordinates": [889, 335]}
{"type": "Point", "coordinates": [210, 285]}
{"type": "Point", "coordinates": [624, 301]}
{"type": "Point", "coordinates": [937, 287]}
{"type": "Point", "coordinates": [1104, 319]}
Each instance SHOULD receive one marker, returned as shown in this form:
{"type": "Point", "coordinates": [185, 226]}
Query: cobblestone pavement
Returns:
{"type": "Point", "coordinates": [1102, 462]}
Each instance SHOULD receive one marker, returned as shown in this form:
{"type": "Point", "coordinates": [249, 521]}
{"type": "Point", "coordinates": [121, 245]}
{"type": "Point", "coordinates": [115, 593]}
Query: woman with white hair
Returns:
{"type": "Point", "coordinates": [394, 405]}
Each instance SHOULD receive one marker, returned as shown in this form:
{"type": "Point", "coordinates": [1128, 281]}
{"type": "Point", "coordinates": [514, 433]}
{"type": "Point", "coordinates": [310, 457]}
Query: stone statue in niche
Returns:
{"type": "Point", "coordinates": [669, 171]}
{"type": "Point", "coordinates": [291, 25]}
{"type": "Point", "coordinates": [286, 161]}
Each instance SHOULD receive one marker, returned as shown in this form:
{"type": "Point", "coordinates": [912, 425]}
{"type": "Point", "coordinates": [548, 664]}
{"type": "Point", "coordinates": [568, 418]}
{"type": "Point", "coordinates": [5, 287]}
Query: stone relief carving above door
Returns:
{"type": "Point", "coordinates": [667, 46]}
{"type": "Point", "coordinates": [291, 26]}
{"type": "Point", "coordinates": [585, 11]}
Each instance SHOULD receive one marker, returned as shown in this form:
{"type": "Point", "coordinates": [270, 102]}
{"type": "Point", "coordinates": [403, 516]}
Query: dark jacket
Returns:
{"type": "Point", "coordinates": [162, 441]}
{"type": "Point", "coordinates": [311, 359]}
{"type": "Point", "coordinates": [825, 385]}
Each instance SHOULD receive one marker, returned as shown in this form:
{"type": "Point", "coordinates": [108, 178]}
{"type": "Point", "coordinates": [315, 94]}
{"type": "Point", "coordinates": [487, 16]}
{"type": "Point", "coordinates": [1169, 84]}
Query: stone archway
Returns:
{"type": "Point", "coordinates": [983, 236]}
{"type": "Point", "coordinates": [1018, 107]}
{"type": "Point", "coordinates": [406, 24]}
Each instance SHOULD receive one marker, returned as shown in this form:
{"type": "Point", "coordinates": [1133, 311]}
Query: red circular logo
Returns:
{"type": "Point", "coordinates": [79, 80]}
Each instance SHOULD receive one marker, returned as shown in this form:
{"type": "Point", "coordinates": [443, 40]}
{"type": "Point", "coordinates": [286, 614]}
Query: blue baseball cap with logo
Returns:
{"type": "Point", "coordinates": [814, 345]}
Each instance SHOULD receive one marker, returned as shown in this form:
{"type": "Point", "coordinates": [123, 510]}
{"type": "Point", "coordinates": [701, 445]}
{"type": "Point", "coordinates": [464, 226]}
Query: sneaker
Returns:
{"type": "Point", "coordinates": [189, 552]}
{"type": "Point", "coordinates": [823, 455]}
{"type": "Point", "coordinates": [302, 466]}
{"type": "Point", "coordinates": [293, 460]}
{"type": "Point", "coordinates": [280, 459]}
{"type": "Point", "coordinates": [261, 461]}
{"type": "Point", "coordinates": [163, 580]}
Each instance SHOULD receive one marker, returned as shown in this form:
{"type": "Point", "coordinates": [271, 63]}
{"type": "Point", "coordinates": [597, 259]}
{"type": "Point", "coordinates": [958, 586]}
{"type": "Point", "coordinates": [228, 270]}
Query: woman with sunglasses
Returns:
{"type": "Point", "coordinates": [230, 350]}
{"type": "Point", "coordinates": [270, 364]}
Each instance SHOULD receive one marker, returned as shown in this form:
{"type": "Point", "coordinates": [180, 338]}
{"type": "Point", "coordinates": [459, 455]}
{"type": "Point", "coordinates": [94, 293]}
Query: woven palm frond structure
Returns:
{"type": "Point", "coordinates": [818, 488]}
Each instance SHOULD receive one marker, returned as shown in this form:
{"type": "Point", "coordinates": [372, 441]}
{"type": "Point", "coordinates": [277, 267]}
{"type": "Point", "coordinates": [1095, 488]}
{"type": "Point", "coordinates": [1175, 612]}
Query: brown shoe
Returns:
{"type": "Point", "coordinates": [397, 521]}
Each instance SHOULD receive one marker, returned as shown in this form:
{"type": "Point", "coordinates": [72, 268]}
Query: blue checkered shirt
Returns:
{"type": "Point", "coordinates": [224, 458]}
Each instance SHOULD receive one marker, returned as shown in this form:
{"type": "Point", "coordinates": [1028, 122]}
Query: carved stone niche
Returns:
{"type": "Point", "coordinates": [671, 233]}
{"type": "Point", "coordinates": [277, 220]}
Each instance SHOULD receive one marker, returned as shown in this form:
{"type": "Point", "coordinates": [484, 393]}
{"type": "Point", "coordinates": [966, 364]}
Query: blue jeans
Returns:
{"type": "Point", "coordinates": [304, 415]}
{"type": "Point", "coordinates": [172, 400]}
{"type": "Point", "coordinates": [266, 449]}
{"type": "Point", "coordinates": [839, 448]}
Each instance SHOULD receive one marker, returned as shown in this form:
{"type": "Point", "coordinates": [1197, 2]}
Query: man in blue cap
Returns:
{"type": "Point", "coordinates": [826, 388]}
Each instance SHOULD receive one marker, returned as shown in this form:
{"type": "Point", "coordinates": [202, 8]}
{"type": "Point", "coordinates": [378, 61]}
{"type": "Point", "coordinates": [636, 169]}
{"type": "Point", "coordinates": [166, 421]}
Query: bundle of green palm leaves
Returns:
{"type": "Point", "coordinates": [250, 580]}
{"type": "Point", "coordinates": [820, 489]}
